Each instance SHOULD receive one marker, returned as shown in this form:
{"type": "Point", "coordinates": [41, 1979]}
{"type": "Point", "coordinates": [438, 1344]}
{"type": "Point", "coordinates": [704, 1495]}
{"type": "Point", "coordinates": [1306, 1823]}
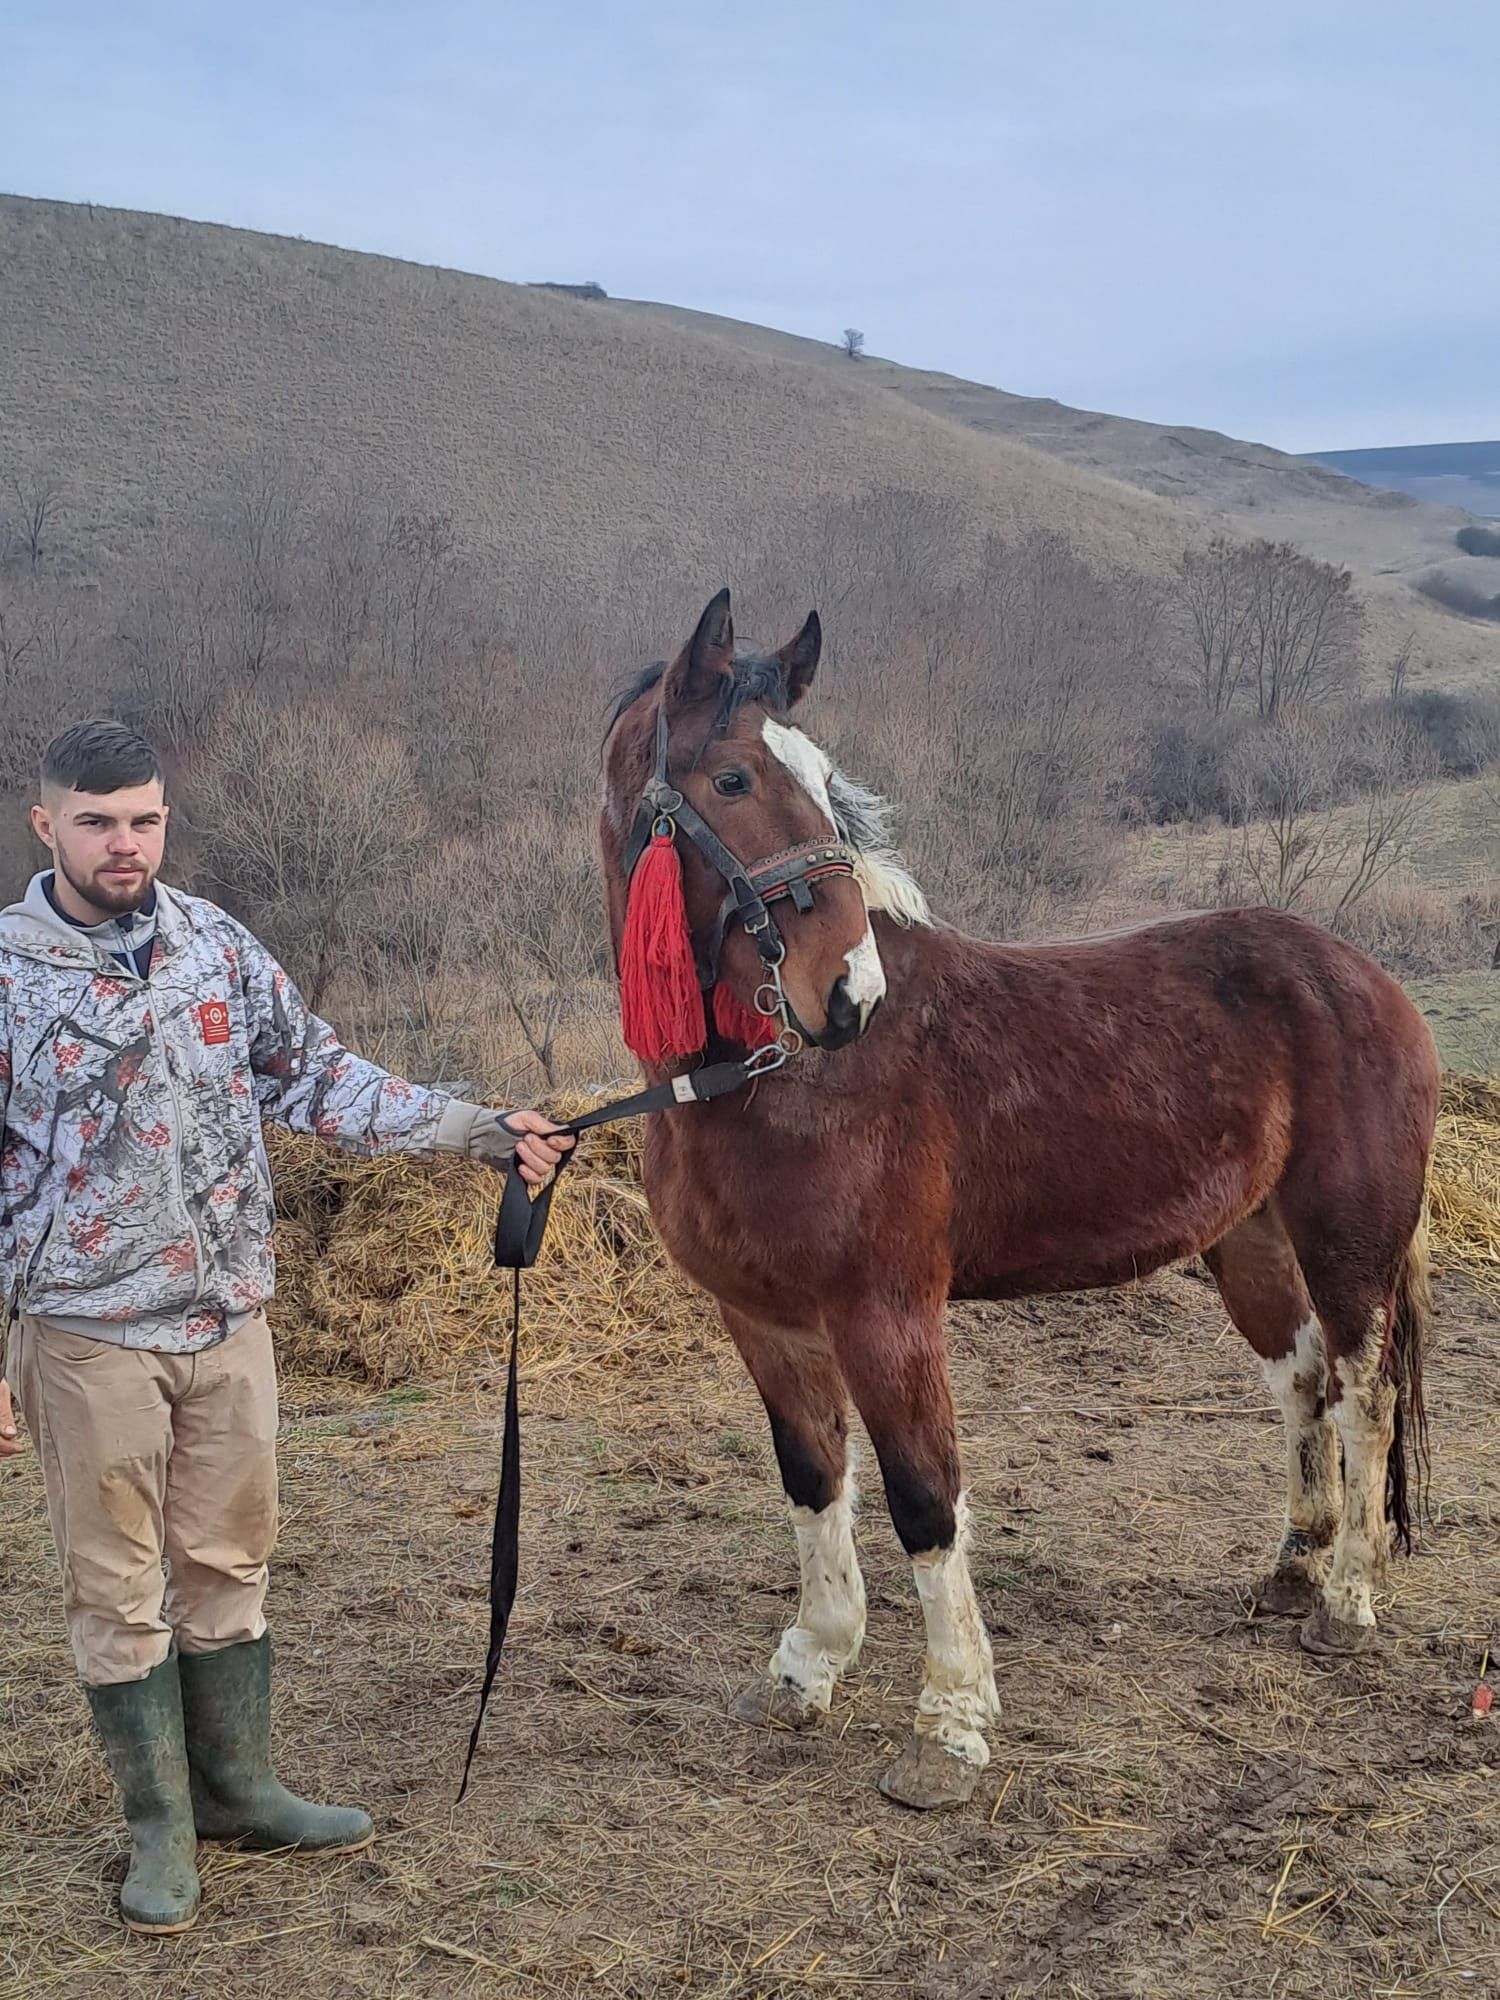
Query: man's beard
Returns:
{"type": "Point", "coordinates": [110, 899]}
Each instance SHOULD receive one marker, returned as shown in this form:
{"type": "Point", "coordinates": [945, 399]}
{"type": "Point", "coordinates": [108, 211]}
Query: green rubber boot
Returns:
{"type": "Point", "coordinates": [140, 1726]}
{"type": "Point", "coordinates": [226, 1710]}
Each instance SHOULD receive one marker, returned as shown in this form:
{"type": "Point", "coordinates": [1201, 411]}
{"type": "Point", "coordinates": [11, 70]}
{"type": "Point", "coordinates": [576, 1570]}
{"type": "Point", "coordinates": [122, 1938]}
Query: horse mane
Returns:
{"type": "Point", "coordinates": [864, 820]}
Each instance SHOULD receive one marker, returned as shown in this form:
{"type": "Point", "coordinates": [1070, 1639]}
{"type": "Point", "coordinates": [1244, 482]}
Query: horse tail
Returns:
{"type": "Point", "coordinates": [1408, 1466]}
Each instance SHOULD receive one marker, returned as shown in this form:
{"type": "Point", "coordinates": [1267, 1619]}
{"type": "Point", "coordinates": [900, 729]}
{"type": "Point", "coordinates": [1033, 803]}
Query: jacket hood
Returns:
{"type": "Point", "coordinates": [33, 929]}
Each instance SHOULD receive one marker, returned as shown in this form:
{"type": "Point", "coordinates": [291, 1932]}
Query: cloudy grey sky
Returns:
{"type": "Point", "coordinates": [1278, 220]}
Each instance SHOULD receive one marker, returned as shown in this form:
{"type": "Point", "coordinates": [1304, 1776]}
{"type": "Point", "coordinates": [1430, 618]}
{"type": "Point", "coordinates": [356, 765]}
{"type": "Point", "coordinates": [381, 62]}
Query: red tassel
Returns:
{"type": "Point", "coordinates": [661, 1006]}
{"type": "Point", "coordinates": [736, 1023]}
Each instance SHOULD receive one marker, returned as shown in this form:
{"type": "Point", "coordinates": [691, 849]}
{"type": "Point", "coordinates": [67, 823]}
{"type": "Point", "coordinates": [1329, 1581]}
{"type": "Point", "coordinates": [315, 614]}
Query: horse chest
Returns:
{"type": "Point", "coordinates": [744, 1228]}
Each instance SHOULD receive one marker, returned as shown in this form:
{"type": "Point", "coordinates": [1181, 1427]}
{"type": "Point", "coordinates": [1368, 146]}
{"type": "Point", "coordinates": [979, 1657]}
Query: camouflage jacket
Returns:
{"type": "Point", "coordinates": [135, 1198]}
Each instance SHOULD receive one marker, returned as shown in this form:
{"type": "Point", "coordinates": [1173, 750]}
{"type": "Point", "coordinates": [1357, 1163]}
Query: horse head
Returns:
{"type": "Point", "coordinates": [708, 783]}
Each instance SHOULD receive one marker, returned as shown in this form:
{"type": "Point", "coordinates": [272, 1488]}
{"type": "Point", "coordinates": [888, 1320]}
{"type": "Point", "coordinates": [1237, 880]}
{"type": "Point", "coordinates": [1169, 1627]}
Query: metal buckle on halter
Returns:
{"type": "Point", "coordinates": [767, 1060]}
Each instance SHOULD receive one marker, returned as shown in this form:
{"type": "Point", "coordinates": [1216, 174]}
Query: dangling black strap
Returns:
{"type": "Point", "coordinates": [505, 1542]}
{"type": "Point", "coordinates": [519, 1229]}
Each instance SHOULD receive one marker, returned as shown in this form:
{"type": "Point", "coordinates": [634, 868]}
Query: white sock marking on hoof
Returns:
{"type": "Point", "coordinates": [830, 1625]}
{"type": "Point", "coordinates": [958, 1697]}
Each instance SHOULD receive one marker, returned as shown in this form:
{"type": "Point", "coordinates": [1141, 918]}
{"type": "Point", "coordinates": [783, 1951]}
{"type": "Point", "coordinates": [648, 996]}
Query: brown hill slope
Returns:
{"type": "Point", "coordinates": [1390, 540]}
{"type": "Point", "coordinates": [148, 358]}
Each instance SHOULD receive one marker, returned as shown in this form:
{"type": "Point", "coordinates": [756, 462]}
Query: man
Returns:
{"type": "Point", "coordinates": [143, 1036]}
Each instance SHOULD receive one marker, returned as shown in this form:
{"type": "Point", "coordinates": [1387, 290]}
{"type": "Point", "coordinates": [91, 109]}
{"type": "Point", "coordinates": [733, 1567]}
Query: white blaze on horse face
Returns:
{"type": "Point", "coordinates": [958, 1695]}
{"type": "Point", "coordinates": [807, 763]}
{"type": "Point", "coordinates": [830, 1625]}
{"type": "Point", "coordinates": [864, 975]}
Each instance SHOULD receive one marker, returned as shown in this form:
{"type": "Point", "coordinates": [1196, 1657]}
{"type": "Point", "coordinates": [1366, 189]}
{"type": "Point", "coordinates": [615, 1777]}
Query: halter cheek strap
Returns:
{"type": "Point", "coordinates": [750, 890]}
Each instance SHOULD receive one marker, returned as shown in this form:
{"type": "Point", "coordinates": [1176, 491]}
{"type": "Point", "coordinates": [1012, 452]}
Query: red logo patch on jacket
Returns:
{"type": "Point", "coordinates": [213, 1022]}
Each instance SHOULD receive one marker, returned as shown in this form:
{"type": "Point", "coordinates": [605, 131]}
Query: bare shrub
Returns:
{"type": "Point", "coordinates": [1184, 769]}
{"type": "Point", "coordinates": [307, 821]}
{"type": "Point", "coordinates": [1414, 932]}
{"type": "Point", "coordinates": [1458, 593]}
{"type": "Point", "coordinates": [1295, 848]}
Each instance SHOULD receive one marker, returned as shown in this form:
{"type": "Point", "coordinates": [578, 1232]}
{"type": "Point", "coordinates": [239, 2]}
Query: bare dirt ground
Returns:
{"type": "Point", "coordinates": [1180, 1802]}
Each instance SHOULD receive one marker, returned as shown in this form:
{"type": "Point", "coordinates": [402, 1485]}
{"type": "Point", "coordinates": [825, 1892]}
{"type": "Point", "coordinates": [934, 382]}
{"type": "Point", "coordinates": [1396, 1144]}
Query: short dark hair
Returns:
{"type": "Point", "coordinates": [99, 756]}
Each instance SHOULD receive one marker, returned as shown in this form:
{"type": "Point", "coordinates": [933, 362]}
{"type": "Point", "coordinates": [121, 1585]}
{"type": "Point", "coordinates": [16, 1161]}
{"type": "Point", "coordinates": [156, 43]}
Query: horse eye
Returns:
{"type": "Point", "coordinates": [731, 784]}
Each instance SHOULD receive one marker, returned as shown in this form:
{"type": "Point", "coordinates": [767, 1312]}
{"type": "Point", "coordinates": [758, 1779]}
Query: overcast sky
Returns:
{"type": "Point", "coordinates": [1277, 221]}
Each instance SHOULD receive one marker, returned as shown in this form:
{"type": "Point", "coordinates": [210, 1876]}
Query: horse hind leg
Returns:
{"type": "Point", "coordinates": [1266, 1297]}
{"type": "Point", "coordinates": [805, 1399]}
{"type": "Point", "coordinates": [896, 1366]}
{"type": "Point", "coordinates": [1373, 1307]}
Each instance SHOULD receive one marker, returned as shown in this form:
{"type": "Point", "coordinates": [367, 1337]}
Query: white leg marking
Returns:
{"type": "Point", "coordinates": [1365, 1415]}
{"type": "Point", "coordinates": [958, 1693]}
{"type": "Point", "coordinates": [830, 1625]}
{"type": "Point", "coordinates": [1299, 1383]}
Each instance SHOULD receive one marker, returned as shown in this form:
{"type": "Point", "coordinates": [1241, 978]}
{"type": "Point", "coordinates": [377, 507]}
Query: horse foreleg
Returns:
{"type": "Point", "coordinates": [804, 1395]}
{"type": "Point", "coordinates": [897, 1370]}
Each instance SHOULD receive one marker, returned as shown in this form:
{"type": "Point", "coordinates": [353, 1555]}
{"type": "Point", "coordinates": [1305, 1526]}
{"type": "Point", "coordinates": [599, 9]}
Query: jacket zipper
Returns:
{"type": "Point", "coordinates": [158, 1037]}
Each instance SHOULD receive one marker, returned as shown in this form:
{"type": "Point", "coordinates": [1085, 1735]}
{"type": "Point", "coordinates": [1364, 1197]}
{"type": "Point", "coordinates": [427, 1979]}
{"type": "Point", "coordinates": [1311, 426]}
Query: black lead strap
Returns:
{"type": "Point", "coordinates": [519, 1230]}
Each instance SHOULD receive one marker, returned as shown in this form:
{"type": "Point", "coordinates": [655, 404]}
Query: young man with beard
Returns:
{"type": "Point", "coordinates": [144, 1034]}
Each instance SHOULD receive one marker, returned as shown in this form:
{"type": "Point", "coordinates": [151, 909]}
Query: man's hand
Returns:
{"type": "Point", "coordinates": [497, 1137]}
{"type": "Point", "coordinates": [10, 1437]}
{"type": "Point", "coordinates": [540, 1145]}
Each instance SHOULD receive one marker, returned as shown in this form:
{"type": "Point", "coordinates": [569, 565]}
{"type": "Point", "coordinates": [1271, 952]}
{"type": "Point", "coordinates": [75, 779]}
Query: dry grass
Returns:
{"type": "Point", "coordinates": [1465, 1185]}
{"type": "Point", "coordinates": [1179, 1802]}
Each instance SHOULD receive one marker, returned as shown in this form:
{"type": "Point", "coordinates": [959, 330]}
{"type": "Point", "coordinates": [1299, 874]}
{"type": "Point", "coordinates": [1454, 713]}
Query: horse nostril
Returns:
{"type": "Point", "coordinates": [843, 1011]}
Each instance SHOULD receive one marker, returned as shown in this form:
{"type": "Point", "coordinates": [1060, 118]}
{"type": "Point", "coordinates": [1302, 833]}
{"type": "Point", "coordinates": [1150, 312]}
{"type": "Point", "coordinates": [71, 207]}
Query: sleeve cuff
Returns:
{"type": "Point", "coordinates": [455, 1129]}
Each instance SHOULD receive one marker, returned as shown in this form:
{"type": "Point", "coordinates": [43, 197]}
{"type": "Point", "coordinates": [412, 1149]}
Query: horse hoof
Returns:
{"type": "Point", "coordinates": [1330, 1638]}
{"type": "Point", "coordinates": [768, 1704]}
{"type": "Point", "coordinates": [928, 1777]}
{"type": "Point", "coordinates": [1287, 1593]}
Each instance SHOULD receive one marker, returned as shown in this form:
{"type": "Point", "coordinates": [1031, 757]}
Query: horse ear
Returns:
{"type": "Point", "coordinates": [703, 663]}
{"type": "Point", "coordinates": [800, 659]}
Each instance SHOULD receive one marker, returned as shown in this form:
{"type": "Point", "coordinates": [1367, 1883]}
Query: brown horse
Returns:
{"type": "Point", "coordinates": [990, 1121]}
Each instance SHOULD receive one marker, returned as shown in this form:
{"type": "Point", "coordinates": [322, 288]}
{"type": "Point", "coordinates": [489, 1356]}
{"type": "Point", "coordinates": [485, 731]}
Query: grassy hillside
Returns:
{"type": "Point", "coordinates": [147, 358]}
{"type": "Point", "coordinates": [1393, 544]}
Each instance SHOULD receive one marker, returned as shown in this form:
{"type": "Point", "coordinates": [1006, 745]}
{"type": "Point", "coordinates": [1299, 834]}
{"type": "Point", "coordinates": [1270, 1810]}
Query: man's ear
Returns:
{"type": "Point", "coordinates": [700, 669]}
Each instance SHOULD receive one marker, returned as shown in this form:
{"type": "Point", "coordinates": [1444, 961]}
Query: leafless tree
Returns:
{"type": "Point", "coordinates": [40, 503]}
{"type": "Point", "coordinates": [1267, 624]}
{"type": "Point", "coordinates": [418, 558]}
{"type": "Point", "coordinates": [1305, 625]}
{"type": "Point", "coordinates": [1216, 597]}
{"type": "Point", "coordinates": [853, 343]}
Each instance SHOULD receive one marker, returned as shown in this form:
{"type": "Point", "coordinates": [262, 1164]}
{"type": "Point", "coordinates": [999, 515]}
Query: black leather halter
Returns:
{"type": "Point", "coordinates": [749, 891]}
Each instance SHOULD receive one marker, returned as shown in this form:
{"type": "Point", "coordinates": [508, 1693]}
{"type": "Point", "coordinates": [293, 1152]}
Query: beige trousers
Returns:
{"type": "Point", "coordinates": [151, 1460]}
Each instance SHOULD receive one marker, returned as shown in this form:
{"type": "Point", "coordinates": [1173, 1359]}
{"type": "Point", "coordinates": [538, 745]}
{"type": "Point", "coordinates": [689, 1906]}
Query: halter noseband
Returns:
{"type": "Point", "coordinates": [750, 889]}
